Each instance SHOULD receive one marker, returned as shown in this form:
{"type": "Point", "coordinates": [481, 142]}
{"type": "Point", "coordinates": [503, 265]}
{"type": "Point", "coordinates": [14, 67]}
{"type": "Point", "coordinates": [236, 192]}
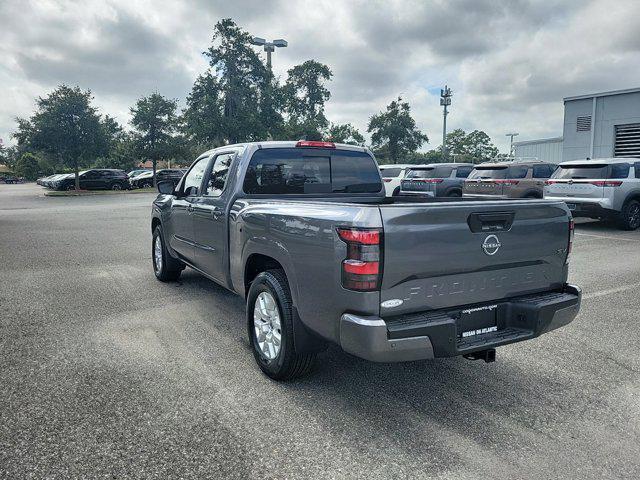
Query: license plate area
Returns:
{"type": "Point", "coordinates": [477, 321]}
{"type": "Point", "coordinates": [572, 206]}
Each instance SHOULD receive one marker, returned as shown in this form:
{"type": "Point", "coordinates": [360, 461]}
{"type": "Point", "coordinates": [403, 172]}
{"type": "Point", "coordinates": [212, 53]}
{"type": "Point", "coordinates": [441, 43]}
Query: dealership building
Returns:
{"type": "Point", "coordinates": [599, 125]}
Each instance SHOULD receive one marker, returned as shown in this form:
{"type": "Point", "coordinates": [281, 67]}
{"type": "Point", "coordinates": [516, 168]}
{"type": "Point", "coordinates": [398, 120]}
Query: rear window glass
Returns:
{"type": "Point", "coordinates": [542, 171]}
{"type": "Point", "coordinates": [579, 172]}
{"type": "Point", "coordinates": [489, 172]}
{"type": "Point", "coordinates": [308, 171]}
{"type": "Point", "coordinates": [513, 171]}
{"type": "Point", "coordinates": [463, 172]}
{"type": "Point", "coordinates": [432, 172]}
{"type": "Point", "coordinates": [390, 172]}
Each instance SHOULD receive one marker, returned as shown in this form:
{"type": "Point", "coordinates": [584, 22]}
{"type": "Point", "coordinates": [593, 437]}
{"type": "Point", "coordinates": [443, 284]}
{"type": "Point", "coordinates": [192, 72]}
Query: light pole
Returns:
{"type": "Point", "coordinates": [269, 46]}
{"type": "Point", "coordinates": [445, 101]}
{"type": "Point", "coordinates": [511, 135]}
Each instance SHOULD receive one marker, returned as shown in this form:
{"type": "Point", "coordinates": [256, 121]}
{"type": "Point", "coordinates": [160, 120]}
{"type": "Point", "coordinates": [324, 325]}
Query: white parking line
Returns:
{"type": "Point", "coordinates": [609, 237]}
{"type": "Point", "coordinates": [610, 291]}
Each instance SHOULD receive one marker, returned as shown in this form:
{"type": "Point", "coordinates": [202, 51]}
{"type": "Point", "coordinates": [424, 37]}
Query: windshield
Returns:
{"type": "Point", "coordinates": [590, 172]}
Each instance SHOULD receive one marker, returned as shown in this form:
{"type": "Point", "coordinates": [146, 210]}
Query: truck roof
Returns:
{"type": "Point", "coordinates": [286, 144]}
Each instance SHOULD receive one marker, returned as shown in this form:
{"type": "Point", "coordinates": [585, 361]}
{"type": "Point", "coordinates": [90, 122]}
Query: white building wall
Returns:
{"type": "Point", "coordinates": [546, 150]}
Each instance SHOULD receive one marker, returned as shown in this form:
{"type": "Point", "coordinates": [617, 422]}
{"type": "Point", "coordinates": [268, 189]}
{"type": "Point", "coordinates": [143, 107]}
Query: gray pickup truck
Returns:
{"type": "Point", "coordinates": [304, 232]}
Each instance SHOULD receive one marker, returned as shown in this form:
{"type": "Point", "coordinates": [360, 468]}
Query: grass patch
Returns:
{"type": "Point", "coordinates": [83, 193]}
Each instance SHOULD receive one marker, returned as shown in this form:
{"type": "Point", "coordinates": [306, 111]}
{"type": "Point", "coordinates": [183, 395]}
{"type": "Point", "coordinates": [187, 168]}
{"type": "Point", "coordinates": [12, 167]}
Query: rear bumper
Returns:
{"type": "Point", "coordinates": [587, 207]}
{"type": "Point", "coordinates": [435, 334]}
{"type": "Point", "coordinates": [484, 195]}
{"type": "Point", "coordinates": [418, 193]}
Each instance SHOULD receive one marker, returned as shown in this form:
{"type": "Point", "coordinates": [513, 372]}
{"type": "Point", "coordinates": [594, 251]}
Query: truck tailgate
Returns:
{"type": "Point", "coordinates": [439, 256]}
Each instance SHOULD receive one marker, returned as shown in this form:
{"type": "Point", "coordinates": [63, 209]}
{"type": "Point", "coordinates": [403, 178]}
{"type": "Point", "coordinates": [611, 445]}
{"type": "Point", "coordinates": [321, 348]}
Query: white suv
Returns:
{"type": "Point", "coordinates": [392, 174]}
{"type": "Point", "coordinates": [604, 188]}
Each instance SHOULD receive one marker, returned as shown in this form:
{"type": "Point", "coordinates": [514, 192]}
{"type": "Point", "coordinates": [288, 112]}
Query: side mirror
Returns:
{"type": "Point", "coordinates": [165, 187]}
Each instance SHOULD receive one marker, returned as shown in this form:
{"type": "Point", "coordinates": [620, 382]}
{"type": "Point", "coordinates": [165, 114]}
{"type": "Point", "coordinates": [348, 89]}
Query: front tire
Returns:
{"type": "Point", "coordinates": [165, 267]}
{"type": "Point", "coordinates": [116, 186]}
{"type": "Point", "coordinates": [270, 328]}
{"type": "Point", "coordinates": [629, 217]}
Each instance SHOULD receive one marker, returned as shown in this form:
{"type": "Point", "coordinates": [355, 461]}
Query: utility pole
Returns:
{"type": "Point", "coordinates": [269, 47]}
{"type": "Point", "coordinates": [445, 101]}
{"type": "Point", "coordinates": [511, 135]}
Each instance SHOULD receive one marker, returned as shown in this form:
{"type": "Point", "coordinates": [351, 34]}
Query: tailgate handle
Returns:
{"type": "Point", "coordinates": [490, 222]}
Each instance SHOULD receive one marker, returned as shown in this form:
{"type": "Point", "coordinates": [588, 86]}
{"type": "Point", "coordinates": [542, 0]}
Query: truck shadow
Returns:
{"type": "Point", "coordinates": [428, 406]}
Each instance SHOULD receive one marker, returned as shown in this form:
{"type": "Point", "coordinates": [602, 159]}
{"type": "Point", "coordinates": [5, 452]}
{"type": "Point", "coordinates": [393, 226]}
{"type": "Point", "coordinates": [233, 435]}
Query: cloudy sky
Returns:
{"type": "Point", "coordinates": [509, 63]}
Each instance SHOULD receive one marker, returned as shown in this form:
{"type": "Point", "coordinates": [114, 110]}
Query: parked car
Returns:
{"type": "Point", "coordinates": [56, 182]}
{"type": "Point", "coordinates": [391, 176]}
{"type": "Point", "coordinates": [145, 180]}
{"type": "Point", "coordinates": [304, 232]}
{"type": "Point", "coordinates": [605, 189]}
{"type": "Point", "coordinates": [135, 173]}
{"type": "Point", "coordinates": [8, 179]}
{"type": "Point", "coordinates": [436, 180]}
{"type": "Point", "coordinates": [95, 179]}
{"type": "Point", "coordinates": [49, 181]}
{"type": "Point", "coordinates": [508, 179]}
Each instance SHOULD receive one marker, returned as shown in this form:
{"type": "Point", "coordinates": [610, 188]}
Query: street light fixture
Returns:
{"type": "Point", "coordinates": [269, 47]}
{"type": "Point", "coordinates": [511, 135]}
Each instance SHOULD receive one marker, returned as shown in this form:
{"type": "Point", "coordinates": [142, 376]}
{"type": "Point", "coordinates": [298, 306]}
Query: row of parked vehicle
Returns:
{"type": "Point", "coordinates": [110, 179]}
{"type": "Point", "coordinates": [603, 189]}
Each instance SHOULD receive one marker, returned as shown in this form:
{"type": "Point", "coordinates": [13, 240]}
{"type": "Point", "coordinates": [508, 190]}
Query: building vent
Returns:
{"type": "Point", "coordinates": [628, 140]}
{"type": "Point", "coordinates": [584, 123]}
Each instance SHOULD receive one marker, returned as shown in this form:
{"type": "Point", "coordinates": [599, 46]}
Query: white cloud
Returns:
{"type": "Point", "coordinates": [509, 63]}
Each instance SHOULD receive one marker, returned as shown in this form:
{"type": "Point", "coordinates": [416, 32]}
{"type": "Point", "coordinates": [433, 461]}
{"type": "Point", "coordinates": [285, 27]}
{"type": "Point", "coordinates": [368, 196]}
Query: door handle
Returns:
{"type": "Point", "coordinates": [216, 212]}
{"type": "Point", "coordinates": [189, 209]}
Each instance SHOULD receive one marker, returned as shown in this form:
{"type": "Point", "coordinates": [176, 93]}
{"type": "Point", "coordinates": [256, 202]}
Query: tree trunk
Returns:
{"type": "Point", "coordinates": [155, 162]}
{"type": "Point", "coordinates": [77, 179]}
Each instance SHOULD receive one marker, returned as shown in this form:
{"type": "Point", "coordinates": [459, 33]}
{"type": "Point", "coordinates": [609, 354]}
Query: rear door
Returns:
{"type": "Point", "coordinates": [446, 255]}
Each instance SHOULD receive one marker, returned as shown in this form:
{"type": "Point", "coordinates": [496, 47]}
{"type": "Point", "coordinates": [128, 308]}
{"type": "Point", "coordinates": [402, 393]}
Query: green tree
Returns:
{"type": "Point", "coordinates": [155, 122]}
{"type": "Point", "coordinates": [345, 133]}
{"type": "Point", "coordinates": [66, 126]}
{"type": "Point", "coordinates": [242, 79]}
{"type": "Point", "coordinates": [27, 166]}
{"type": "Point", "coordinates": [304, 98]}
{"type": "Point", "coordinates": [474, 147]}
{"type": "Point", "coordinates": [203, 118]}
{"type": "Point", "coordinates": [394, 132]}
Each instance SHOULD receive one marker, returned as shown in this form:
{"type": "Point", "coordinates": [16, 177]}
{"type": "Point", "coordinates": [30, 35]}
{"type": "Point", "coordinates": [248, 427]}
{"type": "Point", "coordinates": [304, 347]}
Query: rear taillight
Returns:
{"type": "Point", "coordinates": [606, 183]}
{"type": "Point", "coordinates": [361, 270]}
{"type": "Point", "coordinates": [386, 180]}
{"type": "Point", "coordinates": [430, 180]}
{"type": "Point", "coordinates": [550, 182]}
{"type": "Point", "coordinates": [572, 227]}
{"type": "Point", "coordinates": [507, 183]}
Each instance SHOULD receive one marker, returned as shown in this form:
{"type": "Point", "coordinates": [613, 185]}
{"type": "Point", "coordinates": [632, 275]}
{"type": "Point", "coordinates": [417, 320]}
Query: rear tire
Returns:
{"type": "Point", "coordinates": [455, 193]}
{"type": "Point", "coordinates": [285, 364]}
{"type": "Point", "coordinates": [165, 267]}
{"type": "Point", "coordinates": [116, 186]}
{"type": "Point", "coordinates": [629, 217]}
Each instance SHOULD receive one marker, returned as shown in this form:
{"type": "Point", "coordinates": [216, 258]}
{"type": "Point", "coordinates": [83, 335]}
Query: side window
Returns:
{"type": "Point", "coordinates": [619, 170]}
{"type": "Point", "coordinates": [637, 169]}
{"type": "Point", "coordinates": [463, 172]}
{"type": "Point", "coordinates": [193, 180]}
{"type": "Point", "coordinates": [542, 171]}
{"type": "Point", "coordinates": [219, 174]}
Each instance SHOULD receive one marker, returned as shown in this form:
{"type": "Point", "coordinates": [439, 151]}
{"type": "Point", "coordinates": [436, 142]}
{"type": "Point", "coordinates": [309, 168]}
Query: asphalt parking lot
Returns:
{"type": "Point", "coordinates": [106, 372]}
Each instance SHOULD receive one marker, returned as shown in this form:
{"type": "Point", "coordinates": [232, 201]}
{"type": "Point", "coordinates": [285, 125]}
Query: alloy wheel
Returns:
{"type": "Point", "coordinates": [157, 254]}
{"type": "Point", "coordinates": [267, 326]}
